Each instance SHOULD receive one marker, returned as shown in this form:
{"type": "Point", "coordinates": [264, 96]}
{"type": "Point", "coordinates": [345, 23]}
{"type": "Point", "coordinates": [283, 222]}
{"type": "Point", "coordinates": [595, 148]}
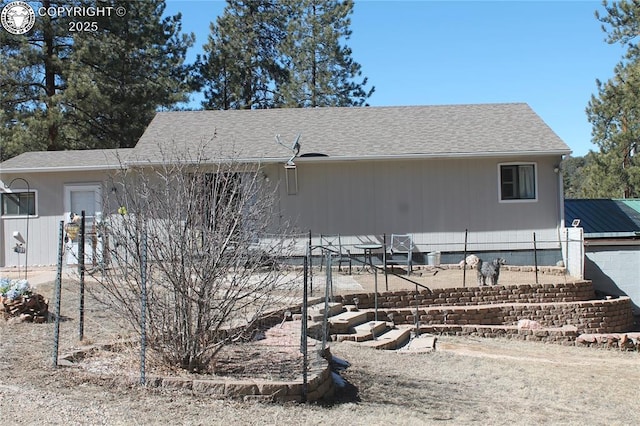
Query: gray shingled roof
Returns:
{"type": "Point", "coordinates": [340, 133]}
{"type": "Point", "coordinates": [352, 133]}
{"type": "Point", "coordinates": [92, 159]}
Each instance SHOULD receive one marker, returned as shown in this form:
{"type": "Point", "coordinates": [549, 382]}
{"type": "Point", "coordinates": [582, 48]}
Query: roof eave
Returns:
{"type": "Point", "coordinates": [628, 240]}
{"type": "Point", "coordinates": [276, 160]}
{"type": "Point", "coordinates": [489, 154]}
{"type": "Point", "coordinates": [14, 170]}
{"type": "Point", "coordinates": [271, 160]}
{"type": "Point", "coordinates": [601, 235]}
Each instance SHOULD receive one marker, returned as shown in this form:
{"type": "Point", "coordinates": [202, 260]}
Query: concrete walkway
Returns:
{"type": "Point", "coordinates": [37, 276]}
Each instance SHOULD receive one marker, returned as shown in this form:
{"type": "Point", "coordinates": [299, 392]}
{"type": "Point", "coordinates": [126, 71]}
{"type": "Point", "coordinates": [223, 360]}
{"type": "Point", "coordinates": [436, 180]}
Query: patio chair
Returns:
{"type": "Point", "coordinates": [333, 243]}
{"type": "Point", "coordinates": [400, 251]}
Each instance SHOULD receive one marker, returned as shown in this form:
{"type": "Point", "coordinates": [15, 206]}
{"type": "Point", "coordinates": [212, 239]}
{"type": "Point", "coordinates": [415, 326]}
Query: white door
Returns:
{"type": "Point", "coordinates": [87, 198]}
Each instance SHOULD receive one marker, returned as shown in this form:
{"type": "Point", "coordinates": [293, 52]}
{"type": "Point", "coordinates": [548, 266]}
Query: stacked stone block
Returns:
{"type": "Point", "coordinates": [552, 306]}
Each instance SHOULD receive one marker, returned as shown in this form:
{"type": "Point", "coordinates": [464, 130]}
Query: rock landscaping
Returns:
{"type": "Point", "coordinates": [18, 302]}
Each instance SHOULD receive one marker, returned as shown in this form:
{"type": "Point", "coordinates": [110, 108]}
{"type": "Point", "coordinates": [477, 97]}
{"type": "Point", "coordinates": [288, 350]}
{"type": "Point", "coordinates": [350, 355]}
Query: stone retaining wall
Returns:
{"type": "Point", "coordinates": [622, 341]}
{"type": "Point", "coordinates": [594, 316]}
{"type": "Point", "coordinates": [564, 335]}
{"type": "Point", "coordinates": [551, 305]}
{"type": "Point", "coordinates": [466, 296]}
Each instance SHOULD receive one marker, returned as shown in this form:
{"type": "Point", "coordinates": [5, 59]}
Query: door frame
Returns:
{"type": "Point", "coordinates": [69, 187]}
{"type": "Point", "coordinates": [72, 247]}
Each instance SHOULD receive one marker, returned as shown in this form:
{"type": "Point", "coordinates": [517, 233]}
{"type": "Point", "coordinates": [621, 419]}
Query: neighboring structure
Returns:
{"type": "Point", "coordinates": [611, 244]}
{"type": "Point", "coordinates": [429, 171]}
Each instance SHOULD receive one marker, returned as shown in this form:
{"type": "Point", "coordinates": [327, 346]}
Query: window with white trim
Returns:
{"type": "Point", "coordinates": [18, 203]}
{"type": "Point", "coordinates": [518, 182]}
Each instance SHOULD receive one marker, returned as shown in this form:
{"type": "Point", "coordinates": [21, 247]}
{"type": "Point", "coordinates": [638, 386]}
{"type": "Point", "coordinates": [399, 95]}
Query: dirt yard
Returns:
{"type": "Point", "coordinates": [464, 381]}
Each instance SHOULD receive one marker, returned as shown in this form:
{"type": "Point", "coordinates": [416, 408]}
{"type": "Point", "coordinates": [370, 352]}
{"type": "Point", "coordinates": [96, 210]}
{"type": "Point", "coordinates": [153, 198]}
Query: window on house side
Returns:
{"type": "Point", "coordinates": [19, 204]}
{"type": "Point", "coordinates": [517, 182]}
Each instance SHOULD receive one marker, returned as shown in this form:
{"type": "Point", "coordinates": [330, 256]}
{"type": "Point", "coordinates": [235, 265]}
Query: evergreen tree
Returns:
{"type": "Point", "coordinates": [124, 72]}
{"type": "Point", "coordinates": [270, 53]}
{"type": "Point", "coordinates": [602, 177]}
{"type": "Point", "coordinates": [63, 89]}
{"type": "Point", "coordinates": [615, 111]}
{"type": "Point", "coordinates": [32, 76]}
{"type": "Point", "coordinates": [590, 177]}
{"type": "Point", "coordinates": [241, 64]}
{"type": "Point", "coordinates": [572, 168]}
{"type": "Point", "coordinates": [322, 71]}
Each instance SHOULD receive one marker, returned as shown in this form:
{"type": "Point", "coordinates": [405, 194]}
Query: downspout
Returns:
{"type": "Point", "coordinates": [560, 192]}
{"type": "Point", "coordinates": [561, 224]}
{"type": "Point", "coordinates": [2, 242]}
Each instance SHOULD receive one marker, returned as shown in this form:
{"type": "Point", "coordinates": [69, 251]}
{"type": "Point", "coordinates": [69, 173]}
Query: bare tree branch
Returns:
{"type": "Point", "coordinates": [214, 253]}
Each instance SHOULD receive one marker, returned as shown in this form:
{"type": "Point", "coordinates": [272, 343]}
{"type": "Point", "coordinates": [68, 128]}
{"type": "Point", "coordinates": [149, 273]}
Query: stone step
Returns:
{"type": "Point", "coordinates": [316, 312]}
{"type": "Point", "coordinates": [392, 339]}
{"type": "Point", "coordinates": [344, 322]}
{"type": "Point", "coordinates": [421, 343]}
{"type": "Point", "coordinates": [365, 331]}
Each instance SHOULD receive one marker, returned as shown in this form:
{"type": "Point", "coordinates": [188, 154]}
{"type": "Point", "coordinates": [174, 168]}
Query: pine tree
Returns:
{"type": "Point", "coordinates": [287, 53]}
{"type": "Point", "coordinates": [615, 111]}
{"type": "Point", "coordinates": [124, 72]}
{"type": "Point", "coordinates": [572, 169]}
{"type": "Point", "coordinates": [62, 89]}
{"type": "Point", "coordinates": [322, 71]}
{"type": "Point", "coordinates": [32, 76]}
{"type": "Point", "coordinates": [241, 64]}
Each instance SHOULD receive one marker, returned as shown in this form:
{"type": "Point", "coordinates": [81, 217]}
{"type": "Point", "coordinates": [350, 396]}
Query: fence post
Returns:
{"type": "Point", "coordinates": [417, 319]}
{"type": "Point", "coordinates": [535, 256]}
{"type": "Point", "coordinates": [384, 261]}
{"type": "Point", "coordinates": [56, 329]}
{"type": "Point", "coordinates": [464, 261]}
{"type": "Point", "coordinates": [375, 283]}
{"type": "Point", "coordinates": [304, 349]}
{"type": "Point", "coordinates": [81, 240]}
{"type": "Point", "coordinates": [325, 319]}
{"type": "Point", "coordinates": [310, 266]}
{"type": "Point", "coordinates": [143, 309]}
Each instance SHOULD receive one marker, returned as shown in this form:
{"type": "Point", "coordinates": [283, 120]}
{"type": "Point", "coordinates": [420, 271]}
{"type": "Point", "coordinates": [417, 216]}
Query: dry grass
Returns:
{"type": "Point", "coordinates": [497, 382]}
{"type": "Point", "coordinates": [465, 381]}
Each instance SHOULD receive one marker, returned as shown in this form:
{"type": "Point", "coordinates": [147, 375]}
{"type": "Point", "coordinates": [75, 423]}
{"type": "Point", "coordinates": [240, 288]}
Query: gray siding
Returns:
{"type": "Point", "coordinates": [43, 229]}
{"type": "Point", "coordinates": [435, 200]}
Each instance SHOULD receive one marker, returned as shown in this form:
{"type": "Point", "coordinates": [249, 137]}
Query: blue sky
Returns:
{"type": "Point", "coordinates": [545, 53]}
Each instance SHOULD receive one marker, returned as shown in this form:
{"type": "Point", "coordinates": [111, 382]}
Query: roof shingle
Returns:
{"type": "Point", "coordinates": [367, 132]}
{"type": "Point", "coordinates": [90, 159]}
{"type": "Point", "coordinates": [339, 133]}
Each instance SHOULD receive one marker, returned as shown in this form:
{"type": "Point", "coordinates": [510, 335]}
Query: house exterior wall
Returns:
{"type": "Point", "coordinates": [435, 200]}
{"type": "Point", "coordinates": [43, 229]}
{"type": "Point", "coordinates": [614, 269]}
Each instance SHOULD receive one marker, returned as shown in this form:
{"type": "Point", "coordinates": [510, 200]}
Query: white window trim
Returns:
{"type": "Point", "coordinates": [19, 216]}
{"type": "Point", "coordinates": [90, 186]}
{"type": "Point", "coordinates": [535, 180]}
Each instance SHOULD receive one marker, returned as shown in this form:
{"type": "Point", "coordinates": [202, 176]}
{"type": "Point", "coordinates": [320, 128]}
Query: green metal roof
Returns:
{"type": "Point", "coordinates": [605, 218]}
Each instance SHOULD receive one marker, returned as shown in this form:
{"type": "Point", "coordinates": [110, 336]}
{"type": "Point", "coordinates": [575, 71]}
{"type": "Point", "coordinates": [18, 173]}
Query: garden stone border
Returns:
{"type": "Point", "coordinates": [320, 384]}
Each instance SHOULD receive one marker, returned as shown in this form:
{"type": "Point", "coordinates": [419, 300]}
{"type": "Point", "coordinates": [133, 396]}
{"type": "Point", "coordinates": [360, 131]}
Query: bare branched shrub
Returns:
{"type": "Point", "coordinates": [214, 250]}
